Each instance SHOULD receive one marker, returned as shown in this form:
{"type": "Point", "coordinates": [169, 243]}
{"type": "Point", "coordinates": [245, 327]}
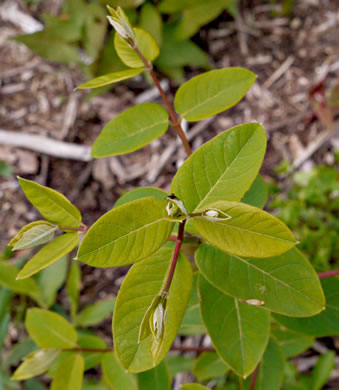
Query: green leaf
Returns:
{"type": "Point", "coordinates": [73, 286]}
{"type": "Point", "coordinates": [292, 343]}
{"type": "Point", "coordinates": [222, 169]}
{"type": "Point", "coordinates": [193, 386]}
{"type": "Point", "coordinates": [146, 44]}
{"type": "Point", "coordinates": [212, 92]}
{"type": "Point", "coordinates": [257, 194]}
{"type": "Point", "coordinates": [324, 324]}
{"type": "Point", "coordinates": [192, 323]}
{"type": "Point", "coordinates": [249, 232]}
{"type": "Point", "coordinates": [49, 254]}
{"type": "Point", "coordinates": [52, 205]}
{"type": "Point", "coordinates": [49, 329]}
{"type": "Point", "coordinates": [285, 284]}
{"type": "Point", "coordinates": [322, 370]}
{"type": "Point", "coordinates": [151, 21]}
{"type": "Point", "coordinates": [177, 364]}
{"type": "Point", "coordinates": [141, 285]}
{"type": "Point", "coordinates": [126, 234]}
{"type": "Point", "coordinates": [92, 359]}
{"type": "Point", "coordinates": [131, 130]}
{"type": "Point", "coordinates": [36, 363]}
{"type": "Point", "coordinates": [19, 351]}
{"type": "Point", "coordinates": [69, 373]}
{"type": "Point", "coordinates": [196, 15]}
{"type": "Point", "coordinates": [96, 313]}
{"type": "Point", "coordinates": [155, 379]}
{"type": "Point", "coordinates": [139, 193]}
{"type": "Point", "coordinates": [271, 368]}
{"type": "Point", "coordinates": [34, 384]}
{"type": "Point", "coordinates": [209, 365]}
{"type": "Point", "coordinates": [8, 275]}
{"type": "Point", "coordinates": [111, 78]}
{"type": "Point", "coordinates": [115, 376]}
{"type": "Point", "coordinates": [26, 229]}
{"type": "Point", "coordinates": [52, 278]}
{"type": "Point", "coordinates": [239, 332]}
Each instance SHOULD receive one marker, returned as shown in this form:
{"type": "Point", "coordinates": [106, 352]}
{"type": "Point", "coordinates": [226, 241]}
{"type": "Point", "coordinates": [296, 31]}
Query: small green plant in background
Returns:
{"type": "Point", "coordinates": [246, 279]}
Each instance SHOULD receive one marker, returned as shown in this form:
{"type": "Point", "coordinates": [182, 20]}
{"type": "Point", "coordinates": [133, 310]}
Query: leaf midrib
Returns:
{"type": "Point", "coordinates": [225, 172]}
{"type": "Point", "coordinates": [210, 98]}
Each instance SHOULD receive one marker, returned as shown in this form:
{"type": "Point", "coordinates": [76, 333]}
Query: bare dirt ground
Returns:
{"type": "Point", "coordinates": [289, 55]}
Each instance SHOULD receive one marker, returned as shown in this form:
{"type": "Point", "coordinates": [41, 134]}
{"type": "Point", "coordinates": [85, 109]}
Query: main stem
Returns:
{"type": "Point", "coordinates": [171, 112]}
{"type": "Point", "coordinates": [254, 378]}
{"type": "Point", "coordinates": [176, 252]}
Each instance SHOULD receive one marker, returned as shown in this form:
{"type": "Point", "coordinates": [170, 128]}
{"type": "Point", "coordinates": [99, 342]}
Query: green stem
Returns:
{"type": "Point", "coordinates": [171, 112]}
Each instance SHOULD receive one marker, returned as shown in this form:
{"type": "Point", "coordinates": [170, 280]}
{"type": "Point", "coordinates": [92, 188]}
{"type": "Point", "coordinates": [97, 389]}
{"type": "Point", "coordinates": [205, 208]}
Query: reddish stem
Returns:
{"type": "Point", "coordinates": [254, 378]}
{"type": "Point", "coordinates": [78, 229]}
{"type": "Point", "coordinates": [173, 348]}
{"type": "Point", "coordinates": [328, 274]}
{"type": "Point", "coordinates": [176, 252]}
{"type": "Point", "coordinates": [171, 112]}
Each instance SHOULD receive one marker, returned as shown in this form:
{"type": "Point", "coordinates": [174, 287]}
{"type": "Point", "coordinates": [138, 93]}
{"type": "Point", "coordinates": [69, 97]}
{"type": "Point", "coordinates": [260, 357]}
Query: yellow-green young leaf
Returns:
{"type": "Point", "coordinates": [139, 193]}
{"type": "Point", "coordinates": [141, 285]}
{"type": "Point", "coordinates": [73, 286]}
{"type": "Point", "coordinates": [155, 379]}
{"type": "Point", "coordinates": [249, 232]}
{"type": "Point", "coordinates": [239, 332]}
{"type": "Point", "coordinates": [257, 194]}
{"type": "Point", "coordinates": [126, 234]}
{"type": "Point", "coordinates": [49, 329]}
{"type": "Point", "coordinates": [193, 386]}
{"type": "Point", "coordinates": [271, 368]}
{"type": "Point", "coordinates": [146, 44]}
{"type": "Point", "coordinates": [151, 21]}
{"type": "Point", "coordinates": [324, 324]}
{"type": "Point", "coordinates": [131, 130]}
{"type": "Point", "coordinates": [212, 92]}
{"type": "Point", "coordinates": [96, 313]}
{"type": "Point", "coordinates": [25, 229]}
{"type": "Point", "coordinates": [114, 375]}
{"type": "Point", "coordinates": [223, 168]}
{"type": "Point", "coordinates": [69, 374]}
{"type": "Point", "coordinates": [285, 284]}
{"type": "Point", "coordinates": [52, 205]}
{"type": "Point", "coordinates": [111, 78]}
{"type": "Point", "coordinates": [209, 365]}
{"type": "Point", "coordinates": [35, 236]}
{"type": "Point", "coordinates": [292, 343]}
{"type": "Point", "coordinates": [36, 363]}
{"type": "Point", "coordinates": [8, 275]}
{"type": "Point", "coordinates": [49, 254]}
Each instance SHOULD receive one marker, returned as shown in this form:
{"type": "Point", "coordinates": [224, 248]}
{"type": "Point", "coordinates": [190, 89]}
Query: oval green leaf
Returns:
{"type": "Point", "coordinates": [141, 285]}
{"type": "Point", "coordinates": [209, 365]}
{"type": "Point", "coordinates": [111, 78]}
{"type": "Point", "coordinates": [223, 168]}
{"type": "Point", "coordinates": [212, 92]}
{"type": "Point", "coordinates": [36, 363]}
{"type": "Point", "coordinates": [194, 386]}
{"type": "Point", "coordinates": [69, 373]}
{"type": "Point", "coordinates": [96, 313]}
{"type": "Point", "coordinates": [52, 205]}
{"type": "Point", "coordinates": [126, 234]}
{"type": "Point", "coordinates": [49, 329]}
{"type": "Point", "coordinates": [285, 284]}
{"type": "Point", "coordinates": [250, 232]}
{"type": "Point", "coordinates": [155, 379]}
{"type": "Point", "coordinates": [146, 44]}
{"type": "Point", "coordinates": [131, 130]}
{"type": "Point", "coordinates": [292, 343]}
{"type": "Point", "coordinates": [8, 275]}
{"type": "Point", "coordinates": [49, 254]}
{"type": "Point", "coordinates": [139, 193]}
{"type": "Point", "coordinates": [114, 375]}
{"type": "Point", "coordinates": [324, 324]}
{"type": "Point", "coordinates": [257, 194]}
{"type": "Point", "coordinates": [239, 332]}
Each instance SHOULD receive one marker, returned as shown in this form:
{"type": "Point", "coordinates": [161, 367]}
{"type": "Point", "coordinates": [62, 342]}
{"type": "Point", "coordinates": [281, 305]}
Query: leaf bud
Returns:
{"type": "Point", "coordinates": [121, 24]}
{"type": "Point", "coordinates": [215, 215]}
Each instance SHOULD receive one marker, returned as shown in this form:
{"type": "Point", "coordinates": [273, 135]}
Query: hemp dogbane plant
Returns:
{"type": "Point", "coordinates": [245, 264]}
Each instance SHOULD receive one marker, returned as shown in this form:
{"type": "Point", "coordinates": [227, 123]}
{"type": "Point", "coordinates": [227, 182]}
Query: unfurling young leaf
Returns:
{"type": "Point", "coordinates": [175, 209]}
{"type": "Point", "coordinates": [18, 237]}
{"type": "Point", "coordinates": [37, 235]}
{"type": "Point", "coordinates": [121, 24]}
